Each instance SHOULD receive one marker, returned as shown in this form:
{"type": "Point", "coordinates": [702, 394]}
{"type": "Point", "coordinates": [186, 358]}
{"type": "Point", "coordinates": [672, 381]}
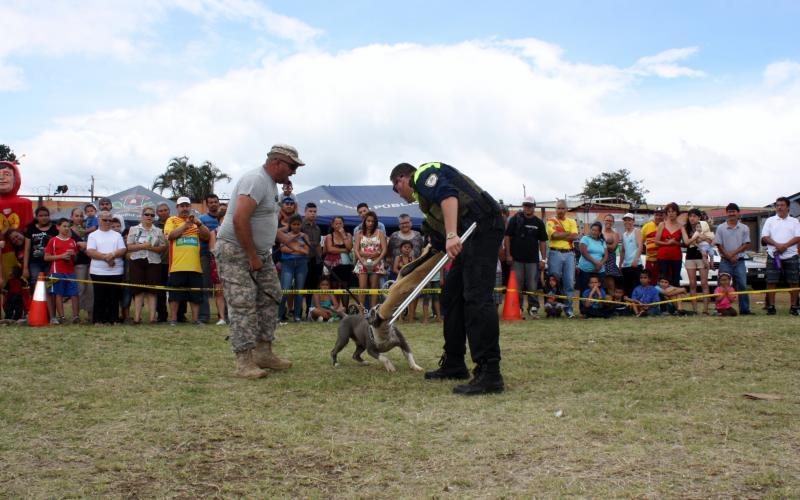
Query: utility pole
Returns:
{"type": "Point", "coordinates": [91, 189]}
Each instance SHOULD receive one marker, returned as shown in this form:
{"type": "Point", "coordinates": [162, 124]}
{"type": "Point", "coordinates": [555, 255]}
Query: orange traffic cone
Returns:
{"type": "Point", "coordinates": [511, 304]}
{"type": "Point", "coordinates": [38, 315]}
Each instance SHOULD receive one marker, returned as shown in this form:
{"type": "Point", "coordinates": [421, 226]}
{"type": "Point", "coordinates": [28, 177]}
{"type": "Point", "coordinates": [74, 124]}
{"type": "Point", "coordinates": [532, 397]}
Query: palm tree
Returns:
{"type": "Point", "coordinates": [185, 179]}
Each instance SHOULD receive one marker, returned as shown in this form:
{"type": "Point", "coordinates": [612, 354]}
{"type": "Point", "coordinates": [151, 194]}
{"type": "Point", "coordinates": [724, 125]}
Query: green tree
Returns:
{"type": "Point", "coordinates": [6, 154]}
{"type": "Point", "coordinates": [615, 184]}
{"type": "Point", "coordinates": [185, 179]}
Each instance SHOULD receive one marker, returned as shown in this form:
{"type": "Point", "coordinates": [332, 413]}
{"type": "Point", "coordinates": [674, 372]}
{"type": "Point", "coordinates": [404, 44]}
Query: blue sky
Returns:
{"type": "Point", "coordinates": [70, 61]}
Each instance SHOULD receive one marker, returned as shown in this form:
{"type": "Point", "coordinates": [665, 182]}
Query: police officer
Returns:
{"type": "Point", "coordinates": [451, 202]}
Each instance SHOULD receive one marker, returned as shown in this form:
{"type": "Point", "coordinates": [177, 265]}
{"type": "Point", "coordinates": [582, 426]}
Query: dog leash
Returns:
{"type": "Point", "coordinates": [258, 287]}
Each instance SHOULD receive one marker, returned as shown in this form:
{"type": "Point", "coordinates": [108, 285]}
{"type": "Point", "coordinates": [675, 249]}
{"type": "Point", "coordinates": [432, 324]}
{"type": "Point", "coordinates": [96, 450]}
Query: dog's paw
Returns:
{"type": "Point", "coordinates": [336, 364]}
{"type": "Point", "coordinates": [417, 368]}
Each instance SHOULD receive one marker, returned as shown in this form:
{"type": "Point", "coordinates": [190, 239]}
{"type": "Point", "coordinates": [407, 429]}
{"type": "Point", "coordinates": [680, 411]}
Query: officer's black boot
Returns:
{"type": "Point", "coordinates": [486, 380]}
{"type": "Point", "coordinates": [450, 368]}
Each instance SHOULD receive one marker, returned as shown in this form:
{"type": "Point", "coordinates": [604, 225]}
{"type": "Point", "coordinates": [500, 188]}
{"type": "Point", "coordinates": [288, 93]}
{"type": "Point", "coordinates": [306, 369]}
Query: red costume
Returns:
{"type": "Point", "coordinates": [15, 213]}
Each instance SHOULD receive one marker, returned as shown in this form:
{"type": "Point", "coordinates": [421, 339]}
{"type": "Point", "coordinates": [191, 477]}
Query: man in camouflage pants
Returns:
{"type": "Point", "coordinates": [250, 282]}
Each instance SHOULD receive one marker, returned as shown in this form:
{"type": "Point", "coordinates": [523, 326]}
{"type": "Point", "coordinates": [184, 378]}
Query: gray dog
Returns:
{"type": "Point", "coordinates": [357, 327]}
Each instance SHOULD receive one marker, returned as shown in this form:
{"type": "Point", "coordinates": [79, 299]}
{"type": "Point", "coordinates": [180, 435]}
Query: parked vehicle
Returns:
{"type": "Point", "coordinates": [712, 274]}
{"type": "Point", "coordinates": [756, 265]}
{"type": "Point", "coordinates": [756, 271]}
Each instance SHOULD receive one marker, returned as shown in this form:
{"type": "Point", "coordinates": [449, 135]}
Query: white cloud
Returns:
{"type": "Point", "coordinates": [10, 78]}
{"type": "Point", "coordinates": [122, 29]}
{"type": "Point", "coordinates": [505, 112]}
{"type": "Point", "coordinates": [782, 72]}
{"type": "Point", "coordinates": [664, 64]}
{"type": "Point", "coordinates": [248, 10]}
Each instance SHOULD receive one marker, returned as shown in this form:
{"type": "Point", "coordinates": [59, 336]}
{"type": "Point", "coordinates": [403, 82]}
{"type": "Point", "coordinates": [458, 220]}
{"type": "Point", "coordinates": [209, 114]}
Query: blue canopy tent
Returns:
{"type": "Point", "coordinates": [129, 204]}
{"type": "Point", "coordinates": [341, 201]}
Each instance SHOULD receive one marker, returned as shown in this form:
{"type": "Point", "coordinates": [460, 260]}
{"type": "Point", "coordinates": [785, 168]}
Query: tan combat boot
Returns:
{"type": "Point", "coordinates": [265, 358]}
{"type": "Point", "coordinates": [246, 366]}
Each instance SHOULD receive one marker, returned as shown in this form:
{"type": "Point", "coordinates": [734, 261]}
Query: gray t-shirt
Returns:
{"type": "Point", "coordinates": [731, 238]}
{"type": "Point", "coordinates": [259, 186]}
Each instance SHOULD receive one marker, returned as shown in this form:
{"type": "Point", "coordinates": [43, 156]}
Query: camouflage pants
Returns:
{"type": "Point", "coordinates": [253, 315]}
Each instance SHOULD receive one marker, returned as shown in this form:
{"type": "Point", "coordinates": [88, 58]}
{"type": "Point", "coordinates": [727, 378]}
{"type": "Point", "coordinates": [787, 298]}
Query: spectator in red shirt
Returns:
{"type": "Point", "coordinates": [62, 251]}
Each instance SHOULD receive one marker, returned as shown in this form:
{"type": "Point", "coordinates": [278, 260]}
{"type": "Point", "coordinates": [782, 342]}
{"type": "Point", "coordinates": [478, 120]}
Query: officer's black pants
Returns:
{"type": "Point", "coordinates": [468, 299]}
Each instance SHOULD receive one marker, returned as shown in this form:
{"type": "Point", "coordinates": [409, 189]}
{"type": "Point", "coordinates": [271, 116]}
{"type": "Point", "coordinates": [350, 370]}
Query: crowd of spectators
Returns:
{"type": "Point", "coordinates": [92, 254]}
{"type": "Point", "coordinates": [112, 273]}
{"type": "Point", "coordinates": [608, 269]}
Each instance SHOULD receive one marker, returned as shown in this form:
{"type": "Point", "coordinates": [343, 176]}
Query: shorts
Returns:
{"type": "Point", "coordinates": [143, 272]}
{"type": "Point", "coordinates": [692, 264]}
{"type": "Point", "coordinates": [789, 271]}
{"type": "Point", "coordinates": [64, 288]}
{"type": "Point", "coordinates": [36, 268]}
{"type": "Point", "coordinates": [707, 248]}
{"type": "Point", "coordinates": [428, 298]}
{"type": "Point", "coordinates": [186, 279]}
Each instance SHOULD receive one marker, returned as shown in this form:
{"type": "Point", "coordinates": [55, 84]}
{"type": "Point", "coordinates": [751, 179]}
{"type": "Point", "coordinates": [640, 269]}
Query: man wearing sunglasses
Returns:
{"type": "Point", "coordinates": [249, 279]}
{"type": "Point", "coordinates": [184, 232]}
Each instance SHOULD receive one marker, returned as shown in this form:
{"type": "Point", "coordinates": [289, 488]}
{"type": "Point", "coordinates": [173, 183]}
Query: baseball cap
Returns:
{"type": "Point", "coordinates": [529, 201]}
{"type": "Point", "coordinates": [628, 216]}
{"type": "Point", "coordinates": [288, 199]}
{"type": "Point", "coordinates": [182, 200]}
{"type": "Point", "coordinates": [288, 152]}
{"type": "Point", "coordinates": [659, 210]}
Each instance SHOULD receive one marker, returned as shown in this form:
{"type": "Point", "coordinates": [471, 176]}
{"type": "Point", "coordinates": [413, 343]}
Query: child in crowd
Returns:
{"type": "Point", "coordinates": [404, 258]}
{"type": "Point", "coordinates": [62, 251]}
{"type": "Point", "coordinates": [726, 294]}
{"type": "Point", "coordinates": [610, 286]}
{"type": "Point", "coordinates": [669, 292]}
{"type": "Point", "coordinates": [620, 309]}
{"type": "Point", "coordinates": [326, 306]}
{"type": "Point", "coordinates": [593, 309]}
{"type": "Point", "coordinates": [90, 218]}
{"type": "Point", "coordinates": [703, 238]}
{"type": "Point", "coordinates": [432, 299]}
{"type": "Point", "coordinates": [14, 303]}
{"type": "Point", "coordinates": [553, 305]}
{"type": "Point", "coordinates": [644, 295]}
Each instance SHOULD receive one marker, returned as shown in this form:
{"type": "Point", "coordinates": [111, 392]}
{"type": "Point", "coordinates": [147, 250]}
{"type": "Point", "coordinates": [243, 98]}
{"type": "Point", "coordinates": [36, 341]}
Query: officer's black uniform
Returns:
{"type": "Point", "coordinates": [468, 295]}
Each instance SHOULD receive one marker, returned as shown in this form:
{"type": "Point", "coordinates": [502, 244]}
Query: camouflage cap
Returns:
{"type": "Point", "coordinates": [287, 152]}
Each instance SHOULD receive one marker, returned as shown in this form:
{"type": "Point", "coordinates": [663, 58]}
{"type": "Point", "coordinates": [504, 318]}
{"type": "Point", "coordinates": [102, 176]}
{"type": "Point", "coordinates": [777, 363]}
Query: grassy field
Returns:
{"type": "Point", "coordinates": [592, 408]}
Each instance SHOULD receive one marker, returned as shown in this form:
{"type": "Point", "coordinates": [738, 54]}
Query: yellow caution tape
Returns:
{"type": "Point", "coordinates": [425, 291]}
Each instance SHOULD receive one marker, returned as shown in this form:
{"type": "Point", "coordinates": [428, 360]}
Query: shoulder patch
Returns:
{"type": "Point", "coordinates": [431, 180]}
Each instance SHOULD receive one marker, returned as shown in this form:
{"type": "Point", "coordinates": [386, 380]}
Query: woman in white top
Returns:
{"type": "Point", "coordinates": [106, 249]}
{"type": "Point", "coordinates": [146, 243]}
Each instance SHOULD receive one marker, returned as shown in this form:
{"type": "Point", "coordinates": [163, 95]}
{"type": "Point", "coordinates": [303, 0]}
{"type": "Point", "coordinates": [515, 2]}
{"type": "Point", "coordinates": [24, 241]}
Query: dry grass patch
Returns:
{"type": "Point", "coordinates": [647, 408]}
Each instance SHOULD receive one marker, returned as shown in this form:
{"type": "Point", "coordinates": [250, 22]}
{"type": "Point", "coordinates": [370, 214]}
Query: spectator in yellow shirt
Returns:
{"type": "Point", "coordinates": [561, 232]}
{"type": "Point", "coordinates": [184, 232]}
